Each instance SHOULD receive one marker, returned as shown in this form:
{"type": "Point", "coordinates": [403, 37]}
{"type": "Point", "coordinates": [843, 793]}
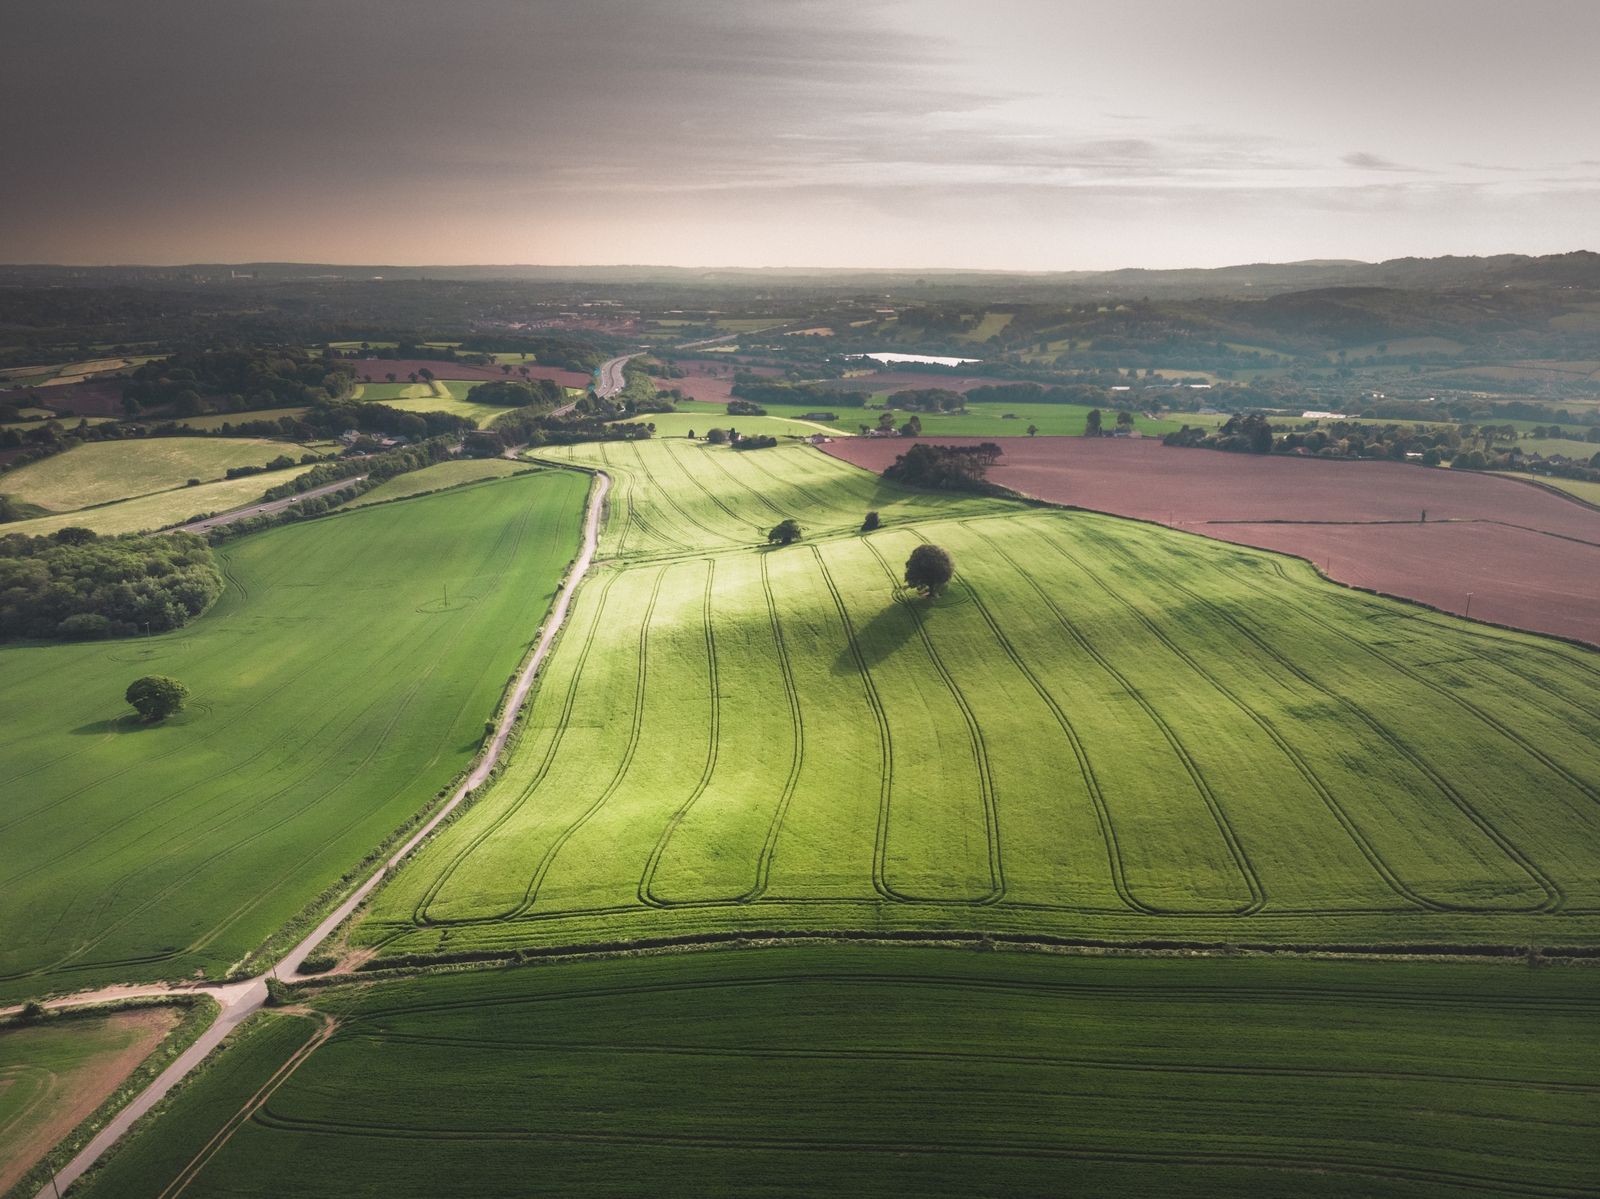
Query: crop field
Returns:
{"type": "Point", "coordinates": [216, 420]}
{"type": "Point", "coordinates": [104, 471]}
{"type": "Point", "coordinates": [699, 421]}
{"type": "Point", "coordinates": [378, 370]}
{"type": "Point", "coordinates": [439, 477]}
{"type": "Point", "coordinates": [160, 510]}
{"type": "Point", "coordinates": [1589, 493]}
{"type": "Point", "coordinates": [1103, 730]}
{"type": "Point", "coordinates": [980, 420]}
{"type": "Point", "coordinates": [343, 678]}
{"type": "Point", "coordinates": [873, 1070]}
{"type": "Point", "coordinates": [53, 1075]}
{"type": "Point", "coordinates": [1529, 558]}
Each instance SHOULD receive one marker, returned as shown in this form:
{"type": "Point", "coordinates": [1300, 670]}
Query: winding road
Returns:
{"type": "Point", "coordinates": [240, 1000]}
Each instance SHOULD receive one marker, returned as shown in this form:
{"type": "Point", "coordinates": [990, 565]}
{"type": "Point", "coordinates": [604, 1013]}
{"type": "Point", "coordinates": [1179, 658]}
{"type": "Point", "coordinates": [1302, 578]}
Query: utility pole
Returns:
{"type": "Point", "coordinates": [54, 1185]}
{"type": "Point", "coordinates": [1468, 612]}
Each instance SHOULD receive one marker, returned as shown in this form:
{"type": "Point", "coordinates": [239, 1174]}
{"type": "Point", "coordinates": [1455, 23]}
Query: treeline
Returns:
{"type": "Point", "coordinates": [75, 585]}
{"type": "Point", "coordinates": [192, 382]}
{"type": "Point", "coordinates": [376, 467]}
{"type": "Point", "coordinates": [331, 418]}
{"type": "Point", "coordinates": [769, 391]}
{"type": "Point", "coordinates": [927, 399]}
{"type": "Point", "coordinates": [528, 428]}
{"type": "Point", "coordinates": [1469, 447]}
{"type": "Point", "coordinates": [478, 350]}
{"type": "Point", "coordinates": [947, 467]}
{"type": "Point", "coordinates": [1033, 393]}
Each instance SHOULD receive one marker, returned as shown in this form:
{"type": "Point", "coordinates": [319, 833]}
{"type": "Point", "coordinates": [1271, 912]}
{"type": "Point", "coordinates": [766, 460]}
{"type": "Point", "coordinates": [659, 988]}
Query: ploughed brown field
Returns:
{"type": "Point", "coordinates": [1529, 558]}
{"type": "Point", "coordinates": [97, 397]}
{"type": "Point", "coordinates": [700, 383]}
{"type": "Point", "coordinates": [379, 369]}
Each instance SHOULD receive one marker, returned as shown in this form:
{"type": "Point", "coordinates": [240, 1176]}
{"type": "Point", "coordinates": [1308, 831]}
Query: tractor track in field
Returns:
{"type": "Point", "coordinates": [1555, 896]}
{"type": "Point", "coordinates": [975, 741]}
{"type": "Point", "coordinates": [1303, 768]}
{"type": "Point", "coordinates": [1247, 872]}
{"type": "Point", "coordinates": [239, 1000]}
{"type": "Point", "coordinates": [646, 890]}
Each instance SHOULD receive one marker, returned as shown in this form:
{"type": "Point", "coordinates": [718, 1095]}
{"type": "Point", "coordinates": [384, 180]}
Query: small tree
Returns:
{"type": "Point", "coordinates": [1091, 423]}
{"type": "Point", "coordinates": [784, 532]}
{"type": "Point", "coordinates": [717, 436]}
{"type": "Point", "coordinates": [1033, 430]}
{"type": "Point", "coordinates": [690, 434]}
{"type": "Point", "coordinates": [872, 521]}
{"type": "Point", "coordinates": [1124, 419]}
{"type": "Point", "coordinates": [929, 569]}
{"type": "Point", "coordinates": [912, 427]}
{"type": "Point", "coordinates": [155, 697]}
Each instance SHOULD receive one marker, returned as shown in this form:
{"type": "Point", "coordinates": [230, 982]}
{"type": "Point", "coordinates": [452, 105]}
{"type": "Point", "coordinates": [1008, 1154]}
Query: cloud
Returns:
{"type": "Point", "coordinates": [1363, 161]}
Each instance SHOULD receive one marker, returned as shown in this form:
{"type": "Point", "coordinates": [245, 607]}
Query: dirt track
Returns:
{"type": "Point", "coordinates": [1530, 558]}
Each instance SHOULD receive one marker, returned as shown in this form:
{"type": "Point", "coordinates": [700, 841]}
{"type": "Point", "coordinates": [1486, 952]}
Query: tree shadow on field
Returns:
{"type": "Point", "coordinates": [131, 723]}
{"type": "Point", "coordinates": [879, 637]}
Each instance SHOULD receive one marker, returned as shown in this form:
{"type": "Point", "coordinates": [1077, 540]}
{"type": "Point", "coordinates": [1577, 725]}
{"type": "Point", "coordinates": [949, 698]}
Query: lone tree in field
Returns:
{"type": "Point", "coordinates": [784, 532]}
{"type": "Point", "coordinates": [1124, 419]}
{"type": "Point", "coordinates": [929, 569]}
{"type": "Point", "coordinates": [1091, 423]}
{"type": "Point", "coordinates": [872, 521]}
{"type": "Point", "coordinates": [155, 697]}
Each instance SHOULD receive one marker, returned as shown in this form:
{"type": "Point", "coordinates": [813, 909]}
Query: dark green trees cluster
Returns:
{"type": "Point", "coordinates": [76, 585]}
{"type": "Point", "coordinates": [542, 394]}
{"type": "Point", "coordinates": [156, 696]}
{"type": "Point", "coordinates": [235, 380]}
{"type": "Point", "coordinates": [946, 467]}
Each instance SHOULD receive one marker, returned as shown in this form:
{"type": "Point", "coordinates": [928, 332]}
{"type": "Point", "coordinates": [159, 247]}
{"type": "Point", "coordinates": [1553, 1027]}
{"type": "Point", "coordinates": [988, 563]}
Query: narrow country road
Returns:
{"type": "Point", "coordinates": [242, 999]}
{"type": "Point", "coordinates": [263, 509]}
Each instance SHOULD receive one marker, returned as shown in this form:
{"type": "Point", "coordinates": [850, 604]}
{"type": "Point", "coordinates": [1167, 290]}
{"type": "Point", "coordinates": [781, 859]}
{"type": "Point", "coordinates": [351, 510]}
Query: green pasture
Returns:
{"type": "Point", "coordinates": [217, 419]}
{"type": "Point", "coordinates": [701, 421]}
{"type": "Point", "coordinates": [442, 395]}
{"type": "Point", "coordinates": [160, 510]}
{"type": "Point", "coordinates": [980, 420]}
{"type": "Point", "coordinates": [103, 471]}
{"type": "Point", "coordinates": [1589, 493]}
{"type": "Point", "coordinates": [343, 679]}
{"type": "Point", "coordinates": [54, 1073]}
{"type": "Point", "coordinates": [443, 475]}
{"type": "Point", "coordinates": [871, 1070]}
{"type": "Point", "coordinates": [1104, 729]}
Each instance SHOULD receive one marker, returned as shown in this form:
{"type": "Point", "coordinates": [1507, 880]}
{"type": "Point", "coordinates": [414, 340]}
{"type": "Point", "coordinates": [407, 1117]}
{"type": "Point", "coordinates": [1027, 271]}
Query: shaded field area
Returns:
{"type": "Point", "coordinates": [1103, 730]}
{"type": "Point", "coordinates": [53, 1075]}
{"type": "Point", "coordinates": [104, 471]}
{"type": "Point", "coordinates": [334, 691]}
{"type": "Point", "coordinates": [1530, 558]}
{"type": "Point", "coordinates": [890, 1071]}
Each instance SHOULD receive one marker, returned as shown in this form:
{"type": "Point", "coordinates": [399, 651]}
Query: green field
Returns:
{"type": "Point", "coordinates": [218, 419]}
{"type": "Point", "coordinates": [103, 471]}
{"type": "Point", "coordinates": [680, 424]}
{"type": "Point", "coordinates": [908, 1071]}
{"type": "Point", "coordinates": [1104, 730]}
{"type": "Point", "coordinates": [439, 477]}
{"type": "Point", "coordinates": [54, 1074]}
{"type": "Point", "coordinates": [1589, 493]}
{"type": "Point", "coordinates": [980, 420]}
{"type": "Point", "coordinates": [334, 692]}
{"type": "Point", "coordinates": [442, 395]}
{"type": "Point", "coordinates": [160, 510]}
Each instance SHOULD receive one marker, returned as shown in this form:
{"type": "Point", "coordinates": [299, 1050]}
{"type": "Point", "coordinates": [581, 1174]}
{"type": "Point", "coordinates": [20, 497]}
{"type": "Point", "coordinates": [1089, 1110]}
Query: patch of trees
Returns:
{"type": "Point", "coordinates": [544, 394]}
{"type": "Point", "coordinates": [566, 352]}
{"type": "Point", "coordinates": [739, 407]}
{"type": "Point", "coordinates": [235, 380]}
{"type": "Point", "coordinates": [756, 442]}
{"type": "Point", "coordinates": [785, 532]}
{"type": "Point", "coordinates": [946, 467]}
{"type": "Point", "coordinates": [763, 390]}
{"type": "Point", "coordinates": [330, 419]}
{"type": "Point", "coordinates": [376, 467]}
{"type": "Point", "coordinates": [530, 428]}
{"type": "Point", "coordinates": [927, 399]}
{"type": "Point", "coordinates": [75, 585]}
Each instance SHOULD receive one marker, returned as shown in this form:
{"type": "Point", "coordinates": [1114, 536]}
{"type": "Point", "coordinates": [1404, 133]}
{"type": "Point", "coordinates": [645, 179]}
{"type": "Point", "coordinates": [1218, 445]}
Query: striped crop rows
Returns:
{"type": "Point", "coordinates": [1101, 729]}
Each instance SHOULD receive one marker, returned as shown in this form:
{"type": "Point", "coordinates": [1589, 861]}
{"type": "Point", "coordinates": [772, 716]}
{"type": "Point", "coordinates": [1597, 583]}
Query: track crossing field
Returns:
{"type": "Point", "coordinates": [335, 688]}
{"type": "Point", "coordinates": [1104, 730]}
{"type": "Point", "coordinates": [889, 1070]}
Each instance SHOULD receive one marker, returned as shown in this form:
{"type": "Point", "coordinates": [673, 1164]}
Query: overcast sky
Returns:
{"type": "Point", "coordinates": [1019, 134]}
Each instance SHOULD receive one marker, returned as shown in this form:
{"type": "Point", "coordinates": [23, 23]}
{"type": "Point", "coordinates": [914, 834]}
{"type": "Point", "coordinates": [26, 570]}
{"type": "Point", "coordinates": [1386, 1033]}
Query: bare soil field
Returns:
{"type": "Point", "coordinates": [377, 370]}
{"type": "Point", "coordinates": [710, 381]}
{"type": "Point", "coordinates": [97, 397]}
{"type": "Point", "coordinates": [1529, 558]}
